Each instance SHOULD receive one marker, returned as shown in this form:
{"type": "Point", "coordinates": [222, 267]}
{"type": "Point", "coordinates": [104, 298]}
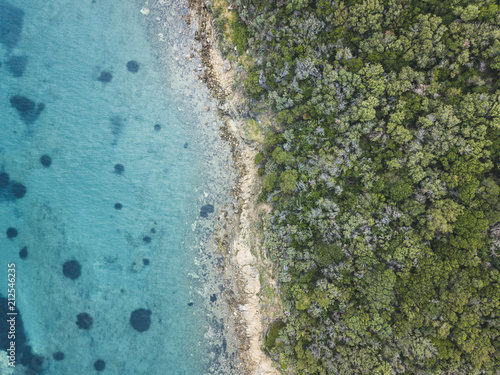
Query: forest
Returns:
{"type": "Point", "coordinates": [382, 170]}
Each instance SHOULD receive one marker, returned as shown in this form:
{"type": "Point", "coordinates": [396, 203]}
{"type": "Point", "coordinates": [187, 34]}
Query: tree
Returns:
{"type": "Point", "coordinates": [287, 180]}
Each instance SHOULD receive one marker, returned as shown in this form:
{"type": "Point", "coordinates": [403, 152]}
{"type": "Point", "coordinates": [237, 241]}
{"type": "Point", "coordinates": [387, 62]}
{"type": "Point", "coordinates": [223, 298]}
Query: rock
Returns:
{"type": "Point", "coordinates": [133, 66]}
{"type": "Point", "coordinates": [206, 209]}
{"type": "Point", "coordinates": [22, 104]}
{"type": "Point", "coordinates": [116, 127]}
{"type": "Point", "coordinates": [140, 319]}
{"type": "Point", "coordinates": [84, 321]}
{"type": "Point", "coordinates": [46, 160]}
{"type": "Point", "coordinates": [99, 365]}
{"type": "Point", "coordinates": [11, 24]}
{"type": "Point", "coordinates": [186, 145]}
{"type": "Point", "coordinates": [118, 206]}
{"type": "Point", "coordinates": [58, 356]}
{"type": "Point", "coordinates": [145, 261]}
{"type": "Point", "coordinates": [11, 232]}
{"type": "Point", "coordinates": [26, 108]}
{"type": "Point", "coordinates": [157, 127]}
{"type": "Point", "coordinates": [105, 77]}
{"type": "Point", "coordinates": [119, 168]}
{"type": "Point", "coordinates": [207, 108]}
{"type": "Point", "coordinates": [4, 180]}
{"type": "Point", "coordinates": [18, 190]}
{"type": "Point", "coordinates": [23, 253]}
{"type": "Point", "coordinates": [72, 269]}
{"type": "Point", "coordinates": [35, 363]}
{"type": "Point", "coordinates": [146, 239]}
{"type": "Point", "coordinates": [17, 65]}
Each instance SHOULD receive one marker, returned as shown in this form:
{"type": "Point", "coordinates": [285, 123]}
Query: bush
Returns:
{"type": "Point", "coordinates": [240, 36]}
{"type": "Point", "coordinates": [272, 334]}
{"type": "Point", "coordinates": [258, 158]}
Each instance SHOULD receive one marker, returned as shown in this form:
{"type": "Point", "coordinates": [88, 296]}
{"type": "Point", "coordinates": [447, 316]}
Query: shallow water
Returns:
{"type": "Point", "coordinates": [66, 92]}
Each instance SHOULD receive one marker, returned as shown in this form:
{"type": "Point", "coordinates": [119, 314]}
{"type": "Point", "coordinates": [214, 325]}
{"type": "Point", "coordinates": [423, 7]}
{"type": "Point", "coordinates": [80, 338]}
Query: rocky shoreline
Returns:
{"type": "Point", "coordinates": [238, 240]}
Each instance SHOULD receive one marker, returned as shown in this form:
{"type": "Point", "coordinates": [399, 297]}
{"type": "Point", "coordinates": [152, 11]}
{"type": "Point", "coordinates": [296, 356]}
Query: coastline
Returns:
{"type": "Point", "coordinates": [322, 270]}
{"type": "Point", "coordinates": [244, 261]}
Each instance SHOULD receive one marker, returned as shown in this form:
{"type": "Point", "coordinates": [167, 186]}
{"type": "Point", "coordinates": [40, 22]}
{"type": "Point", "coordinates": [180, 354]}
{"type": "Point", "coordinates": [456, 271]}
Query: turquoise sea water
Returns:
{"type": "Point", "coordinates": [135, 135]}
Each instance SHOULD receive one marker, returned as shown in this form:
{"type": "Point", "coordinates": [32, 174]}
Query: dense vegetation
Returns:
{"type": "Point", "coordinates": [383, 174]}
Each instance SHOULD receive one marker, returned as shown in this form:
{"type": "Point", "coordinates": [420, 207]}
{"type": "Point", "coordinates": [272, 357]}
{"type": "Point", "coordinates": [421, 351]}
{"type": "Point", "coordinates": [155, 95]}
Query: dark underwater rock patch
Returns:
{"type": "Point", "coordinates": [105, 77]}
{"type": "Point", "coordinates": [17, 65]}
{"type": "Point", "coordinates": [84, 321]}
{"type": "Point", "coordinates": [133, 66]}
{"type": "Point", "coordinates": [140, 319]}
{"type": "Point", "coordinates": [99, 365]}
{"type": "Point", "coordinates": [157, 127]}
{"type": "Point", "coordinates": [23, 253]}
{"type": "Point", "coordinates": [18, 190]}
{"type": "Point", "coordinates": [11, 24]}
{"type": "Point", "coordinates": [27, 109]}
{"type": "Point", "coordinates": [37, 364]}
{"type": "Point", "coordinates": [58, 356]}
{"type": "Point", "coordinates": [117, 124]}
{"type": "Point", "coordinates": [145, 261]}
{"type": "Point", "coordinates": [4, 180]}
{"type": "Point", "coordinates": [118, 206]}
{"type": "Point", "coordinates": [186, 145]}
{"type": "Point", "coordinates": [72, 269]}
{"type": "Point", "coordinates": [46, 160]}
{"type": "Point", "coordinates": [206, 209]}
{"type": "Point", "coordinates": [146, 239]}
{"type": "Point", "coordinates": [12, 232]}
{"type": "Point", "coordinates": [119, 168]}
{"type": "Point", "coordinates": [22, 104]}
{"type": "Point", "coordinates": [10, 189]}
